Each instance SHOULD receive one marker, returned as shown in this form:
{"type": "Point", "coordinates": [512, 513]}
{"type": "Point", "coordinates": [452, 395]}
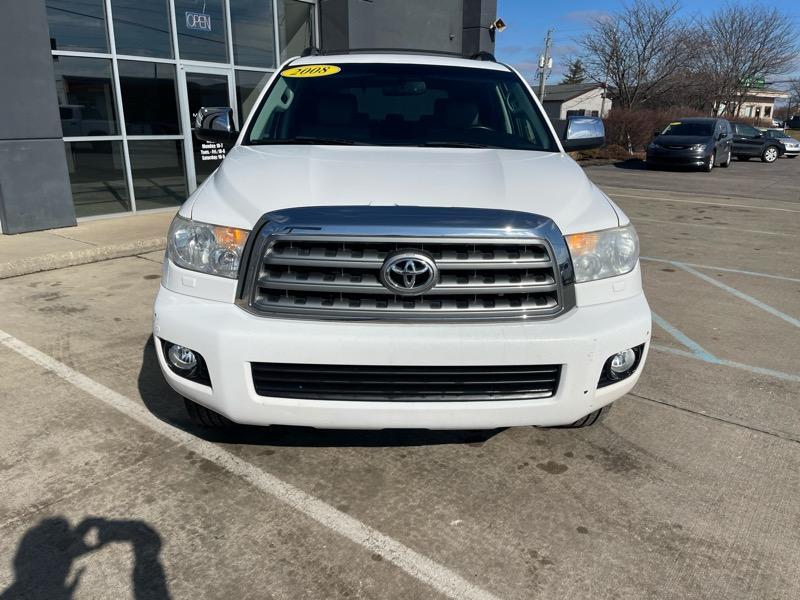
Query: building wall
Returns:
{"type": "Point", "coordinates": [589, 102]}
{"type": "Point", "coordinates": [456, 26]}
{"type": "Point", "coordinates": [34, 188]}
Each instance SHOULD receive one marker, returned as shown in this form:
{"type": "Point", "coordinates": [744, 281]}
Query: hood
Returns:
{"type": "Point", "coordinates": [253, 180]}
{"type": "Point", "coordinates": [682, 140]}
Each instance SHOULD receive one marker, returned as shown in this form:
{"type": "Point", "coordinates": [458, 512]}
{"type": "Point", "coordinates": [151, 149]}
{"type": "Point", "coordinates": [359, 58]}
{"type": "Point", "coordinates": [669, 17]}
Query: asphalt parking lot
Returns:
{"type": "Point", "coordinates": [689, 489]}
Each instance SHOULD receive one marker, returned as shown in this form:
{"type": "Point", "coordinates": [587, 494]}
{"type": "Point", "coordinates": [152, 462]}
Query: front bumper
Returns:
{"type": "Point", "coordinates": [678, 158]}
{"type": "Point", "coordinates": [230, 339]}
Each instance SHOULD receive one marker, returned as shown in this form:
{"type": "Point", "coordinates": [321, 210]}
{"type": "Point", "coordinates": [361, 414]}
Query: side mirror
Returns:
{"type": "Point", "coordinates": [215, 124]}
{"type": "Point", "coordinates": [581, 133]}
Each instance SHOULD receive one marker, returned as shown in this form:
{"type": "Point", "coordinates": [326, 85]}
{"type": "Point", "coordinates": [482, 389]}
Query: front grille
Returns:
{"type": "Point", "coordinates": [405, 383]}
{"type": "Point", "coordinates": [327, 276]}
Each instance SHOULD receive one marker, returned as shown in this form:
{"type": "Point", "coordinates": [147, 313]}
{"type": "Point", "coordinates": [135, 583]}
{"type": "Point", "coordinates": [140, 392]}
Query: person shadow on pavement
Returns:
{"type": "Point", "coordinates": [43, 561]}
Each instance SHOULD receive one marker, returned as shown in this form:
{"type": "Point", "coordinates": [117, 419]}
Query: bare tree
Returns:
{"type": "Point", "coordinates": [639, 51]}
{"type": "Point", "coordinates": [793, 104]}
{"type": "Point", "coordinates": [744, 43]}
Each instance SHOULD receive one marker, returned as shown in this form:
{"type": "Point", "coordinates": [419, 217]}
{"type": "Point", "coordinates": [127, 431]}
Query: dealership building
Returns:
{"type": "Point", "coordinates": [99, 96]}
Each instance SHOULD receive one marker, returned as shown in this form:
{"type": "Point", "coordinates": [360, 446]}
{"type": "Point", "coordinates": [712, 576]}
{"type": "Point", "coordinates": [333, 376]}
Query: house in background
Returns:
{"type": "Point", "coordinates": [574, 99]}
{"type": "Point", "coordinates": [758, 104]}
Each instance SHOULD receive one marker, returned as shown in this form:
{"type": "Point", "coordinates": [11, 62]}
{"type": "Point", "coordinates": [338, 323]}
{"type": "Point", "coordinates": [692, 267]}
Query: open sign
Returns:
{"type": "Point", "coordinates": [198, 21]}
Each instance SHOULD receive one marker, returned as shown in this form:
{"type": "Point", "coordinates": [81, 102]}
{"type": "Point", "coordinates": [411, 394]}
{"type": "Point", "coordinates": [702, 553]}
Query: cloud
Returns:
{"type": "Point", "coordinates": [588, 17]}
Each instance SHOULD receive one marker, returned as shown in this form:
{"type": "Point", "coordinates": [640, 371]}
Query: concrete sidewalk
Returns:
{"type": "Point", "coordinates": [90, 241]}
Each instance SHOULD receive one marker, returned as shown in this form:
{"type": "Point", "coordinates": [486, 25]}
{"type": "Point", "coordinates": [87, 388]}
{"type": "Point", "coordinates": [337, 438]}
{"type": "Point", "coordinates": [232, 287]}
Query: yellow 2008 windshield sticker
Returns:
{"type": "Point", "coordinates": [311, 71]}
{"type": "Point", "coordinates": [675, 123]}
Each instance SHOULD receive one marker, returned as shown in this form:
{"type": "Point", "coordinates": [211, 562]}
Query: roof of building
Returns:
{"type": "Point", "coordinates": [566, 91]}
{"type": "Point", "coordinates": [766, 93]}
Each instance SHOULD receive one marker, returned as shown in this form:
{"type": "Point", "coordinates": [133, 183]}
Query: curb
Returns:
{"type": "Point", "coordinates": [59, 260]}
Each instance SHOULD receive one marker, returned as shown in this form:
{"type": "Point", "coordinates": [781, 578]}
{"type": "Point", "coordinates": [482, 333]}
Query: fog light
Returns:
{"type": "Point", "coordinates": [620, 365]}
{"type": "Point", "coordinates": [182, 358]}
{"type": "Point", "coordinates": [623, 361]}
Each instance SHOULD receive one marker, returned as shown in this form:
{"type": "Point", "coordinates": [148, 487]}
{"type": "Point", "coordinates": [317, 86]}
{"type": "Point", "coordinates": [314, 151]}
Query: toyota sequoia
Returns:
{"type": "Point", "coordinates": [400, 241]}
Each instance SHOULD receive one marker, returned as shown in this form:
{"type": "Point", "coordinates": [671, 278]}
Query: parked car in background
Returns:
{"type": "Point", "coordinates": [749, 142]}
{"type": "Point", "coordinates": [793, 122]}
{"type": "Point", "coordinates": [777, 123]}
{"type": "Point", "coordinates": [791, 144]}
{"type": "Point", "coordinates": [693, 142]}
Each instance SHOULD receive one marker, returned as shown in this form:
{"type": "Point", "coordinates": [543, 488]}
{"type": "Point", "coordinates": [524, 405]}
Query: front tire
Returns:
{"type": "Point", "coordinates": [204, 417]}
{"type": "Point", "coordinates": [710, 165]}
{"type": "Point", "coordinates": [770, 154]}
{"type": "Point", "coordinates": [727, 162]}
{"type": "Point", "coordinates": [590, 419]}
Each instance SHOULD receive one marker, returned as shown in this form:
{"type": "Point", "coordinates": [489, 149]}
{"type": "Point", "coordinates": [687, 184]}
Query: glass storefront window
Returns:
{"type": "Point", "coordinates": [296, 27]}
{"type": "Point", "coordinates": [97, 177]}
{"type": "Point", "coordinates": [248, 86]}
{"type": "Point", "coordinates": [141, 27]}
{"type": "Point", "coordinates": [79, 26]}
{"type": "Point", "coordinates": [253, 33]}
{"type": "Point", "coordinates": [149, 98]}
{"type": "Point", "coordinates": [159, 179]}
{"type": "Point", "coordinates": [201, 30]}
{"type": "Point", "coordinates": [85, 96]}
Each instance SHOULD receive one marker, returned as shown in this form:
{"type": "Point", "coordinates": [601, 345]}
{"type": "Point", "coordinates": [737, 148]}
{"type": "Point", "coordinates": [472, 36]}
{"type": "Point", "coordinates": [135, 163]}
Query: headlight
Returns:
{"type": "Point", "coordinates": [206, 248]}
{"type": "Point", "coordinates": [601, 254]}
{"type": "Point", "coordinates": [698, 147]}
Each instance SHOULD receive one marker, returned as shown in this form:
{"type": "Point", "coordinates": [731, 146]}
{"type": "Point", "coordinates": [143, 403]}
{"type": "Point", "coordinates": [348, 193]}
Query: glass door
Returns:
{"type": "Point", "coordinates": [203, 86]}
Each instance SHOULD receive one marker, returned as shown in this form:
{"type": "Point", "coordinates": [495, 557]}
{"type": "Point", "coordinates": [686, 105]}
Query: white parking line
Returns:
{"type": "Point", "coordinates": [747, 298]}
{"type": "Point", "coordinates": [415, 564]}
{"type": "Point", "coordinates": [724, 204]}
{"type": "Point", "coordinates": [725, 269]}
{"type": "Point", "coordinates": [720, 227]}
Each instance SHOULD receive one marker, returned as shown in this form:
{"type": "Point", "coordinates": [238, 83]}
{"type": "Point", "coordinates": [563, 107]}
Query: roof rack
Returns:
{"type": "Point", "coordinates": [313, 51]}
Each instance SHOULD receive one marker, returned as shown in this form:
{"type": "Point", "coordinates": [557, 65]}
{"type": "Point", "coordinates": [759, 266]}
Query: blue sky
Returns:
{"type": "Point", "coordinates": [528, 20]}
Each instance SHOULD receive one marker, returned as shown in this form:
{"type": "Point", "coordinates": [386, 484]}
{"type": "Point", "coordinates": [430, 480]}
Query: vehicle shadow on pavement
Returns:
{"type": "Point", "coordinates": [45, 555]}
{"type": "Point", "coordinates": [634, 164]}
{"type": "Point", "coordinates": [167, 405]}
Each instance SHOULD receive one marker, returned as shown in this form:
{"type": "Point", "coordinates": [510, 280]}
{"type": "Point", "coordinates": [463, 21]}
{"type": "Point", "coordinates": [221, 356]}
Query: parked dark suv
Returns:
{"type": "Point", "coordinates": [793, 122]}
{"type": "Point", "coordinates": [749, 142]}
{"type": "Point", "coordinates": [694, 142]}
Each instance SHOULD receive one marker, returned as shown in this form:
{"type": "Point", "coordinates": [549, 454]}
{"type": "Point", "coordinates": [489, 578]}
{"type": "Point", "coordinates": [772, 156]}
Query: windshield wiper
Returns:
{"type": "Point", "coordinates": [307, 139]}
{"type": "Point", "coordinates": [453, 145]}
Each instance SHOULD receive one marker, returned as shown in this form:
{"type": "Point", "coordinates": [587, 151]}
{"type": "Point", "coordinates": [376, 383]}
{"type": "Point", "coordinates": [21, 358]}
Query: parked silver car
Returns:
{"type": "Point", "coordinates": [792, 145]}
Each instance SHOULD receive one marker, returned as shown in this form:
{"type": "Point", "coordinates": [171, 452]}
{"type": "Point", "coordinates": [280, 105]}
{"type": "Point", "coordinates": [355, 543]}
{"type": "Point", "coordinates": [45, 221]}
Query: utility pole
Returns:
{"type": "Point", "coordinates": [545, 63]}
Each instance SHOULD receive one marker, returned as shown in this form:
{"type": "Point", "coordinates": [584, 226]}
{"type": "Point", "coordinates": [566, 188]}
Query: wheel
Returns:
{"type": "Point", "coordinates": [727, 162]}
{"type": "Point", "coordinates": [590, 419]}
{"type": "Point", "coordinates": [711, 160]}
{"type": "Point", "coordinates": [744, 158]}
{"type": "Point", "coordinates": [770, 154]}
{"type": "Point", "coordinates": [200, 415]}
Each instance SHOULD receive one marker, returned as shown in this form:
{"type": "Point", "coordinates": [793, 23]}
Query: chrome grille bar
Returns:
{"type": "Point", "coordinates": [325, 263]}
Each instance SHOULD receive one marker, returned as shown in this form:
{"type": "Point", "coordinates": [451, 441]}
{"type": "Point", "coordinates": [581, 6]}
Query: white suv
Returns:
{"type": "Point", "coordinates": [400, 241]}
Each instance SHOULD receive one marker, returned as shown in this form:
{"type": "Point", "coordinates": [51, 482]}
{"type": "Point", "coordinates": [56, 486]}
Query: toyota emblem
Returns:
{"type": "Point", "coordinates": [409, 273]}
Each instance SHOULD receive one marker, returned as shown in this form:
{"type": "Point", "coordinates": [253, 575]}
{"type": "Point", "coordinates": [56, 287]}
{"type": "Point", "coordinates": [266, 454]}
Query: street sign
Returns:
{"type": "Point", "coordinates": [754, 83]}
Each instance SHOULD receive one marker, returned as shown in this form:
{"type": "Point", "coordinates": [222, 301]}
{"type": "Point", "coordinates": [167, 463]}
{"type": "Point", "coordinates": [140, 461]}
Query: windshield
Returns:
{"type": "Point", "coordinates": [400, 105]}
{"type": "Point", "coordinates": [689, 129]}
